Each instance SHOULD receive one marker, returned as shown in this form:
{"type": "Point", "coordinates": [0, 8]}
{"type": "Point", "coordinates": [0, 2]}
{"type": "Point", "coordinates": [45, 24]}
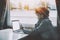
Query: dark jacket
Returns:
{"type": "Point", "coordinates": [44, 31]}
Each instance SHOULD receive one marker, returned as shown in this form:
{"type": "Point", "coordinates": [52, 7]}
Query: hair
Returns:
{"type": "Point", "coordinates": [2, 10]}
{"type": "Point", "coordinates": [2, 7]}
{"type": "Point", "coordinates": [44, 11]}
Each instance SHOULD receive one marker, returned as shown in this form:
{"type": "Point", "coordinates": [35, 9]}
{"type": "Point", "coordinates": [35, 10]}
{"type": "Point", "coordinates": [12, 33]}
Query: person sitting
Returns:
{"type": "Point", "coordinates": [44, 29]}
{"type": "Point", "coordinates": [2, 12]}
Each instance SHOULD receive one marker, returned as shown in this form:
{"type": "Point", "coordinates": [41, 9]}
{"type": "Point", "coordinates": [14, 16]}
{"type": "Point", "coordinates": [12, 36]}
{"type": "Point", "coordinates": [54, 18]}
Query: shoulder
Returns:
{"type": "Point", "coordinates": [46, 21]}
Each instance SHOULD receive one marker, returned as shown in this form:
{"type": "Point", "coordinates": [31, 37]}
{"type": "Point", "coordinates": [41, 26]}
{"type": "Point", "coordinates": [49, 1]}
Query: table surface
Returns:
{"type": "Point", "coordinates": [18, 35]}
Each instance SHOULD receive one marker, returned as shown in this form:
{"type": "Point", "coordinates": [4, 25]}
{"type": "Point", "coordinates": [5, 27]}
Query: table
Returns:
{"type": "Point", "coordinates": [17, 36]}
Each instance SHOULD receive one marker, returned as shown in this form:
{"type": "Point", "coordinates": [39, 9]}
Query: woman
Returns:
{"type": "Point", "coordinates": [44, 29]}
{"type": "Point", "coordinates": [2, 12]}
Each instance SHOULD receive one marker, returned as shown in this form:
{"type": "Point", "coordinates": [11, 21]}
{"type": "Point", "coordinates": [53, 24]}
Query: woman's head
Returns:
{"type": "Point", "coordinates": [42, 12]}
{"type": "Point", "coordinates": [2, 7]}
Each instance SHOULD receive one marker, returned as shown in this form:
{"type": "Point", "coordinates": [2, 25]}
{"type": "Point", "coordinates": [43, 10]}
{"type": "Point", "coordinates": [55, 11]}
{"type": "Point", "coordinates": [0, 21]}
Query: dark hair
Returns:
{"type": "Point", "coordinates": [2, 12]}
{"type": "Point", "coordinates": [2, 7]}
